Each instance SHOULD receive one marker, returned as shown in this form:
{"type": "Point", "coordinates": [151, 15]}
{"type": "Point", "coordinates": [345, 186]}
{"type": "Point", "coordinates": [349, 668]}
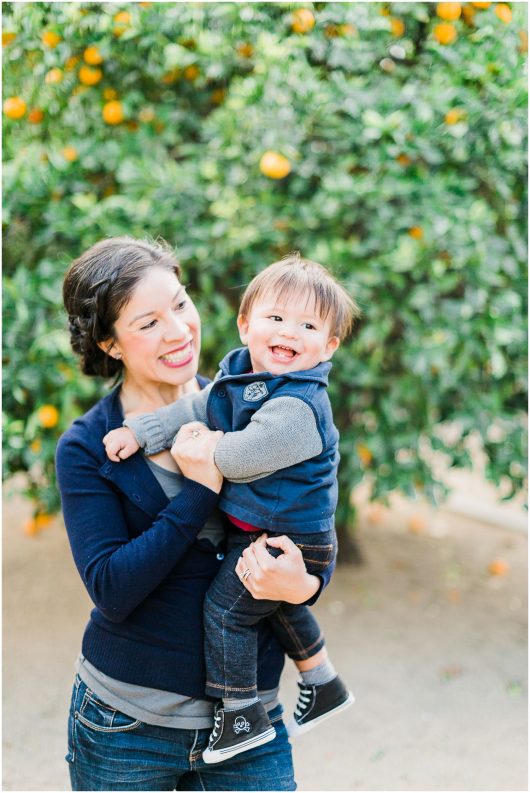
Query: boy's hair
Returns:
{"type": "Point", "coordinates": [295, 275]}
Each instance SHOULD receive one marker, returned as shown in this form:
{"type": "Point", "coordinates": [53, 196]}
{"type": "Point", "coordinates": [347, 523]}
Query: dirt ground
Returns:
{"type": "Point", "coordinates": [433, 646]}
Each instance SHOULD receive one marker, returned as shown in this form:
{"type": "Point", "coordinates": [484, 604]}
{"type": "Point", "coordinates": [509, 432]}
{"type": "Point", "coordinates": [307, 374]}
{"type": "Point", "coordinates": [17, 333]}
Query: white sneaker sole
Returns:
{"type": "Point", "coordinates": [294, 729]}
{"type": "Point", "coordinates": [218, 755]}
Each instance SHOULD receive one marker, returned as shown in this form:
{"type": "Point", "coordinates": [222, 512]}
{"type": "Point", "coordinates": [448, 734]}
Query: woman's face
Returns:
{"type": "Point", "coordinates": [158, 332]}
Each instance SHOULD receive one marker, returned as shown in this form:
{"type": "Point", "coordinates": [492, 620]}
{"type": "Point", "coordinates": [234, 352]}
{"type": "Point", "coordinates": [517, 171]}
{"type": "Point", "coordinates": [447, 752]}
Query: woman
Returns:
{"type": "Point", "coordinates": [147, 543]}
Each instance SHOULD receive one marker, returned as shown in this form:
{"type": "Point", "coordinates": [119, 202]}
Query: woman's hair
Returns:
{"type": "Point", "coordinates": [98, 285]}
{"type": "Point", "coordinates": [294, 276]}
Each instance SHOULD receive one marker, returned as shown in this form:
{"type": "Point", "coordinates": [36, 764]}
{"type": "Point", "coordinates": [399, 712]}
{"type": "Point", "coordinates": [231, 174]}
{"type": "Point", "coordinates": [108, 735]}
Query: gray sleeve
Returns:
{"type": "Point", "coordinates": [155, 431]}
{"type": "Point", "coordinates": [281, 433]}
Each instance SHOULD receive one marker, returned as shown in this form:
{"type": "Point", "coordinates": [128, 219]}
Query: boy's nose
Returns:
{"type": "Point", "coordinates": [288, 333]}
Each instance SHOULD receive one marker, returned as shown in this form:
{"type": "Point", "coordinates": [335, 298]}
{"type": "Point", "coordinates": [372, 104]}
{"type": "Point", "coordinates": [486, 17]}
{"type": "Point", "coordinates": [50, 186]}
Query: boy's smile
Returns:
{"type": "Point", "coordinates": [287, 336]}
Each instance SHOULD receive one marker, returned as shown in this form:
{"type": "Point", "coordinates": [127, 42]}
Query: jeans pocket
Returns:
{"type": "Point", "coordinates": [96, 715]}
{"type": "Point", "coordinates": [316, 557]}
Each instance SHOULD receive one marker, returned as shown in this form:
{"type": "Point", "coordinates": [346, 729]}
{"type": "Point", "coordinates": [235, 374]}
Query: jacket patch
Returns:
{"type": "Point", "coordinates": [255, 391]}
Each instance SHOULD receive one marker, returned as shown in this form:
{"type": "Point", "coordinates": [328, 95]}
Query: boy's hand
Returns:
{"type": "Point", "coordinates": [120, 444]}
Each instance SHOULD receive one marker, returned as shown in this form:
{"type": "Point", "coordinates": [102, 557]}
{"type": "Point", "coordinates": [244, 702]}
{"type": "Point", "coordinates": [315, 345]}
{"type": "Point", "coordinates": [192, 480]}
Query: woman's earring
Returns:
{"type": "Point", "coordinates": [118, 356]}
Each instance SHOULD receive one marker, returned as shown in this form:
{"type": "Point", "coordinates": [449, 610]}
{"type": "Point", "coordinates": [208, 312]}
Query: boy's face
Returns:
{"type": "Point", "coordinates": [286, 336]}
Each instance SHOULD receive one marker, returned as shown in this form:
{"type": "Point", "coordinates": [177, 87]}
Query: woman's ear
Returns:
{"type": "Point", "coordinates": [110, 348]}
{"type": "Point", "coordinates": [242, 326]}
{"type": "Point", "coordinates": [331, 346]}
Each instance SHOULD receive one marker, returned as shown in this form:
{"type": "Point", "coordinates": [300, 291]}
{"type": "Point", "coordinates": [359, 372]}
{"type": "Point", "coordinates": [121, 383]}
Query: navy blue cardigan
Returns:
{"type": "Point", "coordinates": [141, 563]}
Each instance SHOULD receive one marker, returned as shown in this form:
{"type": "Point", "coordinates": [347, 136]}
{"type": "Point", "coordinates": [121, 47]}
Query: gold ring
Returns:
{"type": "Point", "coordinates": [246, 574]}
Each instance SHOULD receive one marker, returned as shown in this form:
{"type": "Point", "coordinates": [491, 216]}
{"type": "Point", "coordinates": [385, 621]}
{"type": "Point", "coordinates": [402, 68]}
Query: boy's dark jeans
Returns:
{"type": "Point", "coordinates": [231, 615]}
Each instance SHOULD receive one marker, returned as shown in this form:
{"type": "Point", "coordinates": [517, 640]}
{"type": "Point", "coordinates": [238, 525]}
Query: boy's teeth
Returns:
{"type": "Point", "coordinates": [285, 352]}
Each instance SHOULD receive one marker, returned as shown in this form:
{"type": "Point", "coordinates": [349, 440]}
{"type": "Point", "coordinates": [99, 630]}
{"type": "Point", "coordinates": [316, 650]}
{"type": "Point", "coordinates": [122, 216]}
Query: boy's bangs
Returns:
{"type": "Point", "coordinates": [299, 285]}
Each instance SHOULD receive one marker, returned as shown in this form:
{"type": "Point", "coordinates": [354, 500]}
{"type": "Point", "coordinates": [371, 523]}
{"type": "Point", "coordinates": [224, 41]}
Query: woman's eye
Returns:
{"type": "Point", "coordinates": [149, 325]}
{"type": "Point", "coordinates": [180, 306]}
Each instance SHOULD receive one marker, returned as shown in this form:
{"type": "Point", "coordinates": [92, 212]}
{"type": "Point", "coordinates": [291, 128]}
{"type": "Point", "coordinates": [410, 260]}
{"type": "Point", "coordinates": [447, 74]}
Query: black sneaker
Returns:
{"type": "Point", "coordinates": [236, 731]}
{"type": "Point", "coordinates": [316, 703]}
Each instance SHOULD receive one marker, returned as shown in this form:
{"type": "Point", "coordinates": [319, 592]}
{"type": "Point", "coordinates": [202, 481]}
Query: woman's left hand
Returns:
{"type": "Point", "coordinates": [276, 578]}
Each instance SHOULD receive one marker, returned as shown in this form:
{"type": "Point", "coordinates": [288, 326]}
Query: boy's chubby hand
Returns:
{"type": "Point", "coordinates": [120, 444]}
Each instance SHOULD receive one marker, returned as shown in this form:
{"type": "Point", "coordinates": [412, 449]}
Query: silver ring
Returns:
{"type": "Point", "coordinates": [195, 434]}
{"type": "Point", "coordinates": [246, 574]}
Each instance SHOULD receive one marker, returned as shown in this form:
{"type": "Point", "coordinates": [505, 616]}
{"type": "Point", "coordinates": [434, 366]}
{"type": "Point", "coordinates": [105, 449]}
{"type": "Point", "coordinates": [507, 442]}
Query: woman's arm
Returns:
{"type": "Point", "coordinates": [283, 577]}
{"type": "Point", "coordinates": [117, 571]}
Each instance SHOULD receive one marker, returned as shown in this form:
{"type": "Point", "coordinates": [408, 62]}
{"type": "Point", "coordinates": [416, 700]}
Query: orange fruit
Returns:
{"type": "Point", "coordinates": [113, 112]}
{"type": "Point", "coordinates": [468, 12]}
{"type": "Point", "coordinates": [365, 455]}
{"type": "Point", "coordinates": [403, 159]}
{"type": "Point", "coordinates": [504, 12]}
{"type": "Point", "coordinates": [7, 38]}
{"type": "Point", "coordinates": [35, 116]}
{"type": "Point", "coordinates": [171, 76]}
{"type": "Point", "coordinates": [498, 567]}
{"type": "Point", "coordinates": [347, 30]}
{"type": "Point", "coordinates": [93, 56]}
{"type": "Point", "coordinates": [122, 20]}
{"type": "Point", "coordinates": [302, 21]}
{"type": "Point", "coordinates": [274, 165]}
{"type": "Point", "coordinates": [191, 72]}
{"type": "Point", "coordinates": [71, 63]}
{"type": "Point", "coordinates": [14, 107]}
{"type": "Point", "coordinates": [109, 93]}
{"type": "Point", "coordinates": [445, 33]}
{"type": "Point", "coordinates": [54, 76]}
{"type": "Point", "coordinates": [416, 524]}
{"type": "Point", "coordinates": [70, 153]}
{"type": "Point", "coordinates": [331, 31]}
{"type": "Point", "coordinates": [36, 446]}
{"type": "Point", "coordinates": [397, 26]}
{"type": "Point", "coordinates": [449, 11]}
{"type": "Point", "coordinates": [218, 95]}
{"type": "Point", "coordinates": [416, 232]}
{"type": "Point", "coordinates": [50, 39]}
{"type": "Point", "coordinates": [48, 415]}
{"type": "Point", "coordinates": [453, 116]}
{"type": "Point", "coordinates": [43, 520]}
{"type": "Point", "coordinates": [89, 76]}
{"type": "Point", "coordinates": [481, 5]}
{"type": "Point", "coordinates": [30, 527]}
{"type": "Point", "coordinates": [245, 50]}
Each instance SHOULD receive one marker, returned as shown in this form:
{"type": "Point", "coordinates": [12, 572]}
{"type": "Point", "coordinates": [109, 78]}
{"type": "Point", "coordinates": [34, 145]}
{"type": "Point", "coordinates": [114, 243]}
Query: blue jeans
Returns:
{"type": "Point", "coordinates": [108, 750]}
{"type": "Point", "coordinates": [231, 615]}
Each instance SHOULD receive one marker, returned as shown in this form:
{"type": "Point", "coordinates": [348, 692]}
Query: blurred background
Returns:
{"type": "Point", "coordinates": [387, 141]}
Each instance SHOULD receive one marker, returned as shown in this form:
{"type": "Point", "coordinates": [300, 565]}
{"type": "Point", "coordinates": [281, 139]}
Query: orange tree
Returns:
{"type": "Point", "coordinates": [386, 140]}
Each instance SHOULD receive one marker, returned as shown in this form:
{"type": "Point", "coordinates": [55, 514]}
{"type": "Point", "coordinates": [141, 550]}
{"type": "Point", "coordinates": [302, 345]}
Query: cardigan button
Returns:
{"type": "Point", "coordinates": [136, 497]}
{"type": "Point", "coordinates": [220, 556]}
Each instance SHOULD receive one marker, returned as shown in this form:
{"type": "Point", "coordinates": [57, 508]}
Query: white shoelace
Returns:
{"type": "Point", "coordinates": [217, 722]}
{"type": "Point", "coordinates": [303, 701]}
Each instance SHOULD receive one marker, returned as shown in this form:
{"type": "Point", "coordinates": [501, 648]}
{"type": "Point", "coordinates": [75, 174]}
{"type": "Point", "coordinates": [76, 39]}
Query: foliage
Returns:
{"type": "Point", "coordinates": [405, 174]}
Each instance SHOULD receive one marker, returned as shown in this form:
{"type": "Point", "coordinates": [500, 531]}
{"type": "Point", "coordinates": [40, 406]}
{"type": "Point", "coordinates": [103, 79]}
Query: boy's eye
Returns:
{"type": "Point", "coordinates": [275, 317]}
{"type": "Point", "coordinates": [309, 326]}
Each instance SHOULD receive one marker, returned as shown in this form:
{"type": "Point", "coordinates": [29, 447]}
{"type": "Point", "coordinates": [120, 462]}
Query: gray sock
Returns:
{"type": "Point", "coordinates": [321, 674]}
{"type": "Point", "coordinates": [230, 703]}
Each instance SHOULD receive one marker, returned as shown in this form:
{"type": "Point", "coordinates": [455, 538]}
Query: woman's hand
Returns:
{"type": "Point", "coordinates": [282, 578]}
{"type": "Point", "coordinates": [193, 452]}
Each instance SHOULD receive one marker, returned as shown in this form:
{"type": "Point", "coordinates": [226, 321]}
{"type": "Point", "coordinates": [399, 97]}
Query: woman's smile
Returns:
{"type": "Point", "coordinates": [181, 356]}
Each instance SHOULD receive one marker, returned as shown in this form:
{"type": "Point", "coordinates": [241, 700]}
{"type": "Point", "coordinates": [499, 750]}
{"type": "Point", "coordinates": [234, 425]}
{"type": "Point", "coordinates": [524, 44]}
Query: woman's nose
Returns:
{"type": "Point", "coordinates": [175, 329]}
